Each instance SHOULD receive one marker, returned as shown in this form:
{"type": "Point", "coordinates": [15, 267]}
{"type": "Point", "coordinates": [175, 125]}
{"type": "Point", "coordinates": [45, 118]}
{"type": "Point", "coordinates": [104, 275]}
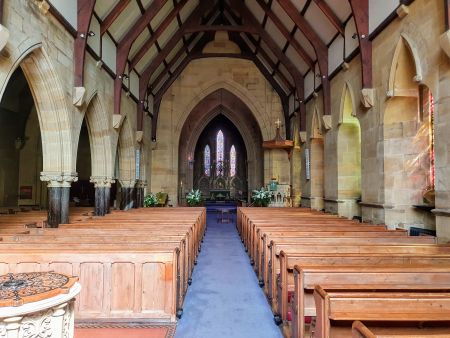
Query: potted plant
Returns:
{"type": "Point", "coordinates": [261, 198]}
{"type": "Point", "coordinates": [150, 200]}
{"type": "Point", "coordinates": [194, 198]}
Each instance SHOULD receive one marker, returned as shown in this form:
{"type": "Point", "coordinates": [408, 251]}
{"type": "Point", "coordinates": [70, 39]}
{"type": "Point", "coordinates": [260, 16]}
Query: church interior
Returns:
{"type": "Point", "coordinates": [224, 168]}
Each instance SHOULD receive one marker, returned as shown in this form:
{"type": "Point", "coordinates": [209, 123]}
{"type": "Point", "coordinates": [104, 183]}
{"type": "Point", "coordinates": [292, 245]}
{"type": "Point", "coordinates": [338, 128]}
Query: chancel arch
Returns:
{"type": "Point", "coordinates": [349, 156]}
{"type": "Point", "coordinates": [229, 110]}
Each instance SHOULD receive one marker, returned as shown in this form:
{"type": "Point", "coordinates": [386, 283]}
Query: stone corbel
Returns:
{"type": "Point", "coordinates": [154, 145]}
{"type": "Point", "coordinates": [42, 5]}
{"type": "Point", "coordinates": [78, 96]}
{"type": "Point", "coordinates": [444, 41]}
{"type": "Point", "coordinates": [99, 64]}
{"type": "Point", "coordinates": [141, 184]}
{"type": "Point", "coordinates": [345, 66]}
{"type": "Point", "coordinates": [326, 119]}
{"type": "Point", "coordinates": [4, 37]}
{"type": "Point", "coordinates": [402, 11]}
{"type": "Point", "coordinates": [368, 97]}
{"type": "Point", "coordinates": [302, 136]}
{"type": "Point", "coordinates": [58, 180]}
{"type": "Point", "coordinates": [117, 121]}
{"type": "Point", "coordinates": [139, 136]}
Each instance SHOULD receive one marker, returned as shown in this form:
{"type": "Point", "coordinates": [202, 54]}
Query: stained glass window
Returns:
{"type": "Point", "coordinates": [219, 153]}
{"type": "Point", "coordinates": [207, 160]}
{"type": "Point", "coordinates": [232, 161]}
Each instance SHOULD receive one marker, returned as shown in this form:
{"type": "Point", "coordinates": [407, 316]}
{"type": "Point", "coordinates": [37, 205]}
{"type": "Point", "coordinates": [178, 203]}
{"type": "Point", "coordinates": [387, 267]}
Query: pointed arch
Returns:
{"type": "Point", "coordinates": [126, 153]}
{"type": "Point", "coordinates": [99, 138]}
{"type": "Point", "coordinates": [220, 152]}
{"type": "Point", "coordinates": [348, 105]}
{"type": "Point", "coordinates": [406, 69]}
{"type": "Point", "coordinates": [232, 161]}
{"type": "Point", "coordinates": [316, 125]}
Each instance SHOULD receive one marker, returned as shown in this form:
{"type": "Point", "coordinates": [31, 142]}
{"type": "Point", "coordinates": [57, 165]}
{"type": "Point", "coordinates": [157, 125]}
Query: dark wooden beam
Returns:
{"type": "Point", "coordinates": [215, 28]}
{"type": "Point", "coordinates": [1, 11]}
{"type": "Point", "coordinates": [113, 15]}
{"type": "Point", "coordinates": [282, 28]}
{"type": "Point", "coordinates": [85, 9]}
{"type": "Point", "coordinates": [319, 47]}
{"type": "Point", "coordinates": [447, 14]}
{"type": "Point", "coordinates": [161, 28]}
{"type": "Point", "coordinates": [360, 10]}
{"type": "Point", "coordinates": [325, 8]}
{"type": "Point", "coordinates": [125, 44]}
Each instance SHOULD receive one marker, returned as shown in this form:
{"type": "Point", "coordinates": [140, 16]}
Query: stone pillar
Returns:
{"type": "Point", "coordinates": [127, 194]}
{"type": "Point", "coordinates": [102, 187]}
{"type": "Point", "coordinates": [58, 196]}
{"type": "Point", "coordinates": [140, 193]}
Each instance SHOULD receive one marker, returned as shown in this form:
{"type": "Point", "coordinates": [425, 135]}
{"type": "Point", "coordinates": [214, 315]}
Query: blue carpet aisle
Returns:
{"type": "Point", "coordinates": [224, 300]}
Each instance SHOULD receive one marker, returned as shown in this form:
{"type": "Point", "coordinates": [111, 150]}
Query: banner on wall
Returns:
{"type": "Point", "coordinates": [138, 164]}
{"type": "Point", "coordinates": [307, 165]}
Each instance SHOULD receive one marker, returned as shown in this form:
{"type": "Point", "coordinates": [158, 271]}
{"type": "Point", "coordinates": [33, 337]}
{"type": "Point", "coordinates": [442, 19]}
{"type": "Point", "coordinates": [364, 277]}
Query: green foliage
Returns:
{"type": "Point", "coordinates": [194, 198]}
{"type": "Point", "coordinates": [261, 198]}
{"type": "Point", "coordinates": [150, 200]}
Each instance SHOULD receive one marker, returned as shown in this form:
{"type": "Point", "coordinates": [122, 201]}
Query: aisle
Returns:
{"type": "Point", "coordinates": [224, 300]}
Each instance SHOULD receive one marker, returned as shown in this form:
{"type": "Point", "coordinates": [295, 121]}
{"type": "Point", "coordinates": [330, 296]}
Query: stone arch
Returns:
{"type": "Point", "coordinates": [316, 125]}
{"type": "Point", "coordinates": [99, 136]}
{"type": "Point", "coordinates": [406, 58]}
{"type": "Point", "coordinates": [53, 112]}
{"type": "Point", "coordinates": [348, 157]}
{"type": "Point", "coordinates": [240, 92]}
{"type": "Point", "coordinates": [240, 115]}
{"type": "Point", "coordinates": [316, 143]}
{"type": "Point", "coordinates": [126, 153]}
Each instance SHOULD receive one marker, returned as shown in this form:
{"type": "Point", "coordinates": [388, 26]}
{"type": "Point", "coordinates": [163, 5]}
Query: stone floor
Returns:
{"type": "Point", "coordinates": [224, 300]}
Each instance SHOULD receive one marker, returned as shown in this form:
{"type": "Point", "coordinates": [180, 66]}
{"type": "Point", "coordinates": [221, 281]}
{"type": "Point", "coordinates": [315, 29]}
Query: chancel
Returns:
{"type": "Point", "coordinates": [224, 168]}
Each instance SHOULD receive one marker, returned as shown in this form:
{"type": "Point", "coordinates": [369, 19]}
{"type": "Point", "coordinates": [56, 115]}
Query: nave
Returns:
{"type": "Point", "coordinates": [224, 299]}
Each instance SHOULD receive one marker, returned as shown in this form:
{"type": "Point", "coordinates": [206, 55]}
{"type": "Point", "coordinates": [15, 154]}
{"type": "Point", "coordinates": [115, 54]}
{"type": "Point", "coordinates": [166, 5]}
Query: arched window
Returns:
{"type": "Point", "coordinates": [207, 160]}
{"type": "Point", "coordinates": [219, 153]}
{"type": "Point", "coordinates": [232, 161]}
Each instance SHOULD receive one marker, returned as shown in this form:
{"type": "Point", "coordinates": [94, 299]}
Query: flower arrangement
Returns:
{"type": "Point", "coordinates": [261, 198]}
{"type": "Point", "coordinates": [150, 200]}
{"type": "Point", "coordinates": [194, 198]}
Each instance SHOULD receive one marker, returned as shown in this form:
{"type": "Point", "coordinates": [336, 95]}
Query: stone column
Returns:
{"type": "Point", "coordinates": [140, 193]}
{"type": "Point", "coordinates": [102, 187]}
{"type": "Point", "coordinates": [127, 194]}
{"type": "Point", "coordinates": [58, 196]}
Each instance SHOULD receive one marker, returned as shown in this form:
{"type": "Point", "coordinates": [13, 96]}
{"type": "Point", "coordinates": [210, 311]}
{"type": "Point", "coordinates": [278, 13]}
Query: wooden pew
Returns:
{"type": "Point", "coordinates": [433, 277]}
{"type": "Point", "coordinates": [359, 330]}
{"type": "Point", "coordinates": [340, 306]}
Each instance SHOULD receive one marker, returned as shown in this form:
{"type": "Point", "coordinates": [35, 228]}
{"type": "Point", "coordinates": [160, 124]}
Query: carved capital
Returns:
{"type": "Point", "coordinates": [102, 182]}
{"type": "Point", "coordinates": [345, 66]}
{"type": "Point", "coordinates": [78, 96]}
{"type": "Point", "coordinates": [326, 122]}
{"type": "Point", "coordinates": [402, 11]}
{"type": "Point", "coordinates": [368, 97]}
{"type": "Point", "coordinates": [117, 121]}
{"type": "Point", "coordinates": [127, 183]}
{"type": "Point", "coordinates": [141, 184]}
{"type": "Point", "coordinates": [99, 64]}
{"type": "Point", "coordinates": [59, 180]}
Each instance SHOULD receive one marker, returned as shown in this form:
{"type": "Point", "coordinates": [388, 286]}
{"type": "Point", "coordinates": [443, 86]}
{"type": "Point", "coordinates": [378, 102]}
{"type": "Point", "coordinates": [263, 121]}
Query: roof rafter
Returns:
{"type": "Point", "coordinates": [125, 44]}
{"type": "Point", "coordinates": [157, 33]}
{"type": "Point", "coordinates": [113, 15]}
{"type": "Point", "coordinates": [319, 47]}
{"type": "Point", "coordinates": [326, 9]}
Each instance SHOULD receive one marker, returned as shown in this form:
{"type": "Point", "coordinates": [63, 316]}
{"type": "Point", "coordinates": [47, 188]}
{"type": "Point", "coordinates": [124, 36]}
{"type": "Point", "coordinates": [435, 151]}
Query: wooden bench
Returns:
{"type": "Point", "coordinates": [341, 306]}
{"type": "Point", "coordinates": [359, 330]}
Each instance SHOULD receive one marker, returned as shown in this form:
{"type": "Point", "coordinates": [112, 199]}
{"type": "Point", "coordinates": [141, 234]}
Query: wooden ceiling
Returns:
{"type": "Point", "coordinates": [286, 40]}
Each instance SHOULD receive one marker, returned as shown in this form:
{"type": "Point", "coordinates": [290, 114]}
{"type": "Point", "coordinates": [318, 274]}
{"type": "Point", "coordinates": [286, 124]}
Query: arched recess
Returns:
{"type": "Point", "coordinates": [126, 154]}
{"type": "Point", "coordinates": [58, 148]}
{"type": "Point", "coordinates": [349, 156]}
{"type": "Point", "coordinates": [316, 180]}
{"type": "Point", "coordinates": [234, 109]}
{"type": "Point", "coordinates": [406, 141]}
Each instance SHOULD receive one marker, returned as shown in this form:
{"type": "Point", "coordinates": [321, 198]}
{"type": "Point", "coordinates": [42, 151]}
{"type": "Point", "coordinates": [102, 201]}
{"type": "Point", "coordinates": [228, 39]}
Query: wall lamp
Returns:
{"type": "Point", "coordinates": [90, 33]}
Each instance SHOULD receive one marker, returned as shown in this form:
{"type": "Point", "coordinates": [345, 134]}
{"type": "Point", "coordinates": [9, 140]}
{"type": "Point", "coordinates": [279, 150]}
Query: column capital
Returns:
{"type": "Point", "coordinates": [127, 183]}
{"type": "Point", "coordinates": [102, 182]}
{"type": "Point", "coordinates": [58, 179]}
{"type": "Point", "coordinates": [141, 184]}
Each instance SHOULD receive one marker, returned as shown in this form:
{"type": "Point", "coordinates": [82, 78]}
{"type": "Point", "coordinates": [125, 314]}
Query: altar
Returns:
{"type": "Point", "coordinates": [219, 194]}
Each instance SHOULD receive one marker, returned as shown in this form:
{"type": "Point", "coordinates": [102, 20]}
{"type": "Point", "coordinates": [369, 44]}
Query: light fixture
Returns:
{"type": "Point", "coordinates": [83, 35]}
{"type": "Point", "coordinates": [124, 77]}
